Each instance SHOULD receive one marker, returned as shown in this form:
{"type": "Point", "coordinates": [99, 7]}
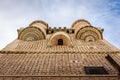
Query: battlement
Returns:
{"type": "Point", "coordinates": [56, 29]}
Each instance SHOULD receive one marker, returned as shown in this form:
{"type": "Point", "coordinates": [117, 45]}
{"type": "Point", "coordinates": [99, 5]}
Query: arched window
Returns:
{"type": "Point", "coordinates": [60, 41]}
{"type": "Point", "coordinates": [60, 38]}
{"type": "Point", "coordinates": [89, 39]}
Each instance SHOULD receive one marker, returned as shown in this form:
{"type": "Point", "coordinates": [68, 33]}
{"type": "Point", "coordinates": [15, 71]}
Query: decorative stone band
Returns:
{"type": "Point", "coordinates": [54, 52]}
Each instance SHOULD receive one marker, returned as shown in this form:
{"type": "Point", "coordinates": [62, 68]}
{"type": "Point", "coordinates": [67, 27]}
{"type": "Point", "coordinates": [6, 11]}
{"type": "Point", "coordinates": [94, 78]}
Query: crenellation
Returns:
{"type": "Point", "coordinates": [55, 29]}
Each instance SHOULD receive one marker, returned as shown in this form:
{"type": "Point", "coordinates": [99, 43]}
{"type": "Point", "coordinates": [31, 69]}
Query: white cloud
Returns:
{"type": "Point", "coordinates": [20, 13]}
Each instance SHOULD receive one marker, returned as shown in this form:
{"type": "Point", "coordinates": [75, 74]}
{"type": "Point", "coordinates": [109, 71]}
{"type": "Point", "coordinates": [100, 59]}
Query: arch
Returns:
{"type": "Point", "coordinates": [89, 38]}
{"type": "Point", "coordinates": [39, 23]}
{"type": "Point", "coordinates": [89, 33]}
{"type": "Point", "coordinates": [64, 37]}
{"type": "Point", "coordinates": [31, 34]}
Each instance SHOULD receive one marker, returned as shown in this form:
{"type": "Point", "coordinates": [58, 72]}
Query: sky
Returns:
{"type": "Point", "coordinates": [15, 14]}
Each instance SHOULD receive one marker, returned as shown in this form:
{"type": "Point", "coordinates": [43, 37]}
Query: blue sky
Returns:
{"type": "Point", "coordinates": [59, 13]}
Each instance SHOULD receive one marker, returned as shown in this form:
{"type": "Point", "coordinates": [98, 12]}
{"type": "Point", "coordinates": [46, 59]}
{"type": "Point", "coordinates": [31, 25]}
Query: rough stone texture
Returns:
{"type": "Point", "coordinates": [41, 59]}
{"type": "Point", "coordinates": [53, 64]}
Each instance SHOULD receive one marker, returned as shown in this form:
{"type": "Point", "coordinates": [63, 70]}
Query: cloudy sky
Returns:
{"type": "Point", "coordinates": [59, 13]}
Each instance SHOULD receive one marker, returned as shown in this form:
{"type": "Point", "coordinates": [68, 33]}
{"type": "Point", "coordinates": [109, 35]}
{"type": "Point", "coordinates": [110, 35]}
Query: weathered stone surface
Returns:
{"type": "Point", "coordinates": [58, 53]}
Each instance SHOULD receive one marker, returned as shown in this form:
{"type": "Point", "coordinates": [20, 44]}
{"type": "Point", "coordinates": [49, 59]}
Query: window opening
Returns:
{"type": "Point", "coordinates": [60, 41]}
{"type": "Point", "coordinates": [95, 70]}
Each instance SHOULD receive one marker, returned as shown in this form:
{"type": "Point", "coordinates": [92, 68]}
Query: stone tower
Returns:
{"type": "Point", "coordinates": [44, 53]}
